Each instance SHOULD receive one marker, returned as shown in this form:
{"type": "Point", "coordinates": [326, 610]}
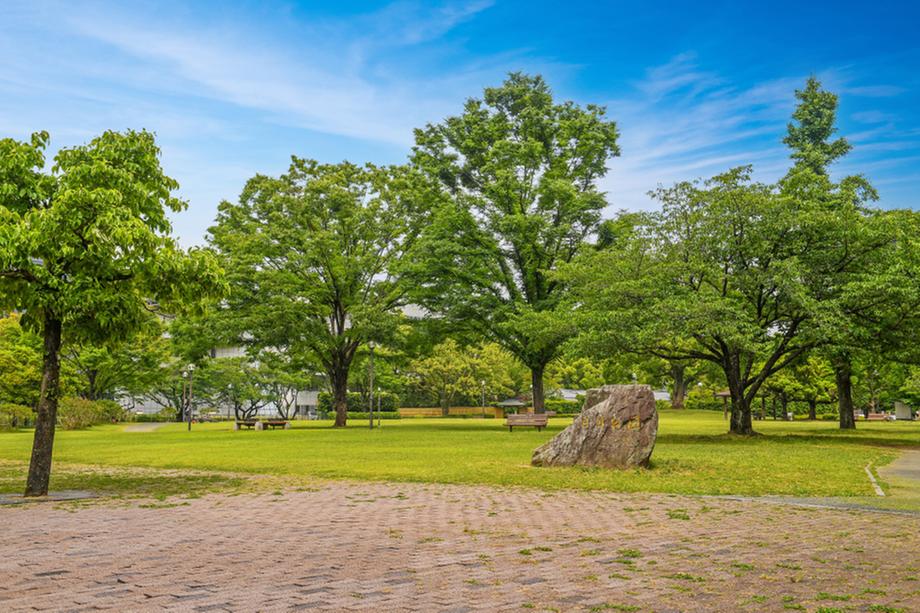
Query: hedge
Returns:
{"type": "Point", "coordinates": [357, 402]}
{"type": "Point", "coordinates": [377, 415]}
{"type": "Point", "coordinates": [564, 407]}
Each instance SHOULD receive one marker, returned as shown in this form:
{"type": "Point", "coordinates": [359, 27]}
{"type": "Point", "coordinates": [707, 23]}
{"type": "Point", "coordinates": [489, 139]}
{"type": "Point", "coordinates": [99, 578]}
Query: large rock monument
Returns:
{"type": "Point", "coordinates": [616, 429]}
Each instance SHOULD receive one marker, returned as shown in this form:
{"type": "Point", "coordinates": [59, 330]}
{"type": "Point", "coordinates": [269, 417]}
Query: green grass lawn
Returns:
{"type": "Point", "coordinates": [693, 454]}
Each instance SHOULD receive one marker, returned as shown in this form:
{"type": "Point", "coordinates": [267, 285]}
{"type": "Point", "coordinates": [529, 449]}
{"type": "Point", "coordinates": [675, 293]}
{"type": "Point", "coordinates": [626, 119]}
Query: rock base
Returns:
{"type": "Point", "coordinates": [616, 429]}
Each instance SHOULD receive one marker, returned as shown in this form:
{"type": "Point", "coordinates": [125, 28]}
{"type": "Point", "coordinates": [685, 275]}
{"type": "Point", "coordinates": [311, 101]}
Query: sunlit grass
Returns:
{"type": "Point", "coordinates": [693, 454]}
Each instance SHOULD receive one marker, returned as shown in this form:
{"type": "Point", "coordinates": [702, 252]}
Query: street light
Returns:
{"type": "Point", "coordinates": [191, 370]}
{"type": "Point", "coordinates": [482, 384]}
{"type": "Point", "coordinates": [371, 387]}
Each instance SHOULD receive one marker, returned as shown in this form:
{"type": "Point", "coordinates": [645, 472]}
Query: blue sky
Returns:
{"type": "Point", "coordinates": [235, 88]}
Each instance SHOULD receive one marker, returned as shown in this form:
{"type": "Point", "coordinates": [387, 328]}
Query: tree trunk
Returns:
{"type": "Point", "coordinates": [536, 376]}
{"type": "Point", "coordinates": [843, 374]}
{"type": "Point", "coordinates": [680, 386]}
{"type": "Point", "coordinates": [91, 388]}
{"type": "Point", "coordinates": [741, 409]}
{"type": "Point", "coordinates": [785, 408]}
{"type": "Point", "coordinates": [812, 409]}
{"type": "Point", "coordinates": [46, 412]}
{"type": "Point", "coordinates": [445, 404]}
{"type": "Point", "coordinates": [339, 397]}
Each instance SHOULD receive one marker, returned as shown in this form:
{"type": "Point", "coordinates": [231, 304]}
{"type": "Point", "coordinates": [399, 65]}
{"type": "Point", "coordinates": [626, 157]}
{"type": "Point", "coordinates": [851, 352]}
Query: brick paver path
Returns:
{"type": "Point", "coordinates": [402, 547]}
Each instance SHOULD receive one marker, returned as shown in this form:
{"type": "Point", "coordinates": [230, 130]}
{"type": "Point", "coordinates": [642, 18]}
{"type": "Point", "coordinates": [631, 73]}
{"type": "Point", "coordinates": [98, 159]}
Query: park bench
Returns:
{"type": "Point", "coordinates": [878, 417]}
{"type": "Point", "coordinates": [260, 424]}
{"type": "Point", "coordinates": [536, 420]}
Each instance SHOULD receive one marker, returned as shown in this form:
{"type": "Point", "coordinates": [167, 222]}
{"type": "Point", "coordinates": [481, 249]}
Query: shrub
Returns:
{"type": "Point", "coordinates": [564, 407]}
{"type": "Point", "coordinates": [15, 416]}
{"type": "Point", "coordinates": [78, 413]}
{"type": "Point", "coordinates": [702, 399]}
{"type": "Point", "coordinates": [357, 402]}
{"type": "Point", "coordinates": [661, 405]}
{"type": "Point", "coordinates": [110, 411]}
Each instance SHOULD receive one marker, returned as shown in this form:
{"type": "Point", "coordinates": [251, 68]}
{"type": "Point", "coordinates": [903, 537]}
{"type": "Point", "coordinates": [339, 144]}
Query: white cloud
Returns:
{"type": "Point", "coordinates": [682, 123]}
{"type": "Point", "coordinates": [326, 82]}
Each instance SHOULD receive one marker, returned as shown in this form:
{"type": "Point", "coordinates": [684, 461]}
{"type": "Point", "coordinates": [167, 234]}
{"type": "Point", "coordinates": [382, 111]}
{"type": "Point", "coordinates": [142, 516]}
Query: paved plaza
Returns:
{"type": "Point", "coordinates": [345, 546]}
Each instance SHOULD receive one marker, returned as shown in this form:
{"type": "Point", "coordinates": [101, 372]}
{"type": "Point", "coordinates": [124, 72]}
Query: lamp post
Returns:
{"type": "Point", "coordinates": [371, 387]}
{"type": "Point", "coordinates": [378, 407]}
{"type": "Point", "coordinates": [191, 370]}
{"type": "Point", "coordinates": [482, 385]}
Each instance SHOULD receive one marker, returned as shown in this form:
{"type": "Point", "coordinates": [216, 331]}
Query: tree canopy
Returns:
{"type": "Point", "coordinates": [520, 174]}
{"type": "Point", "coordinates": [85, 251]}
{"type": "Point", "coordinates": [314, 259]}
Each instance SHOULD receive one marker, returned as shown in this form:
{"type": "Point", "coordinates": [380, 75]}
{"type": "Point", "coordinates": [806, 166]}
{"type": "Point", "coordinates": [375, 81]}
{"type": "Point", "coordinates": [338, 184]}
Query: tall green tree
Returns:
{"type": "Point", "coordinates": [521, 173]}
{"type": "Point", "coordinates": [314, 259]}
{"type": "Point", "coordinates": [862, 254]}
{"type": "Point", "coordinates": [448, 372]}
{"type": "Point", "coordinates": [85, 250]}
{"type": "Point", "coordinates": [717, 276]}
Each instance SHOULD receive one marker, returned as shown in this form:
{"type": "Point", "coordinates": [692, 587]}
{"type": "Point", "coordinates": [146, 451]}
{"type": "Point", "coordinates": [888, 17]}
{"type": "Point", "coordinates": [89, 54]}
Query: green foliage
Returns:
{"type": "Point", "coordinates": [453, 374]}
{"type": "Point", "coordinates": [165, 415]}
{"type": "Point", "coordinates": [20, 363]}
{"type": "Point", "coordinates": [79, 413]}
{"type": "Point", "coordinates": [752, 277]}
{"type": "Point", "coordinates": [357, 402]}
{"type": "Point", "coordinates": [14, 416]}
{"type": "Point", "coordinates": [377, 415]}
{"type": "Point", "coordinates": [131, 366]}
{"type": "Point", "coordinates": [564, 407]}
{"type": "Point", "coordinates": [314, 259]}
{"type": "Point", "coordinates": [693, 285]}
{"type": "Point", "coordinates": [86, 254]}
{"type": "Point", "coordinates": [447, 372]}
{"type": "Point", "coordinates": [702, 399]}
{"type": "Point", "coordinates": [519, 172]}
{"type": "Point", "coordinates": [88, 243]}
{"type": "Point", "coordinates": [232, 381]}
{"type": "Point", "coordinates": [809, 137]}
{"type": "Point", "coordinates": [574, 373]}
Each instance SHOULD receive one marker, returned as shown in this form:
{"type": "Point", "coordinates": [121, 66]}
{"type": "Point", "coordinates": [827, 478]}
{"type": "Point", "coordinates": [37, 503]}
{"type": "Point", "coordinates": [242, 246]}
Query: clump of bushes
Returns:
{"type": "Point", "coordinates": [358, 402]}
{"type": "Point", "coordinates": [564, 407]}
{"type": "Point", "coordinates": [14, 416]}
{"type": "Point", "coordinates": [380, 415]}
{"type": "Point", "coordinates": [79, 413]}
{"type": "Point", "coordinates": [701, 399]}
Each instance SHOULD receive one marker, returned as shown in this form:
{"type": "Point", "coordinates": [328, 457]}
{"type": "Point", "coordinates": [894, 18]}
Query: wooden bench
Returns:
{"type": "Point", "coordinates": [878, 417]}
{"type": "Point", "coordinates": [260, 424]}
{"type": "Point", "coordinates": [536, 420]}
